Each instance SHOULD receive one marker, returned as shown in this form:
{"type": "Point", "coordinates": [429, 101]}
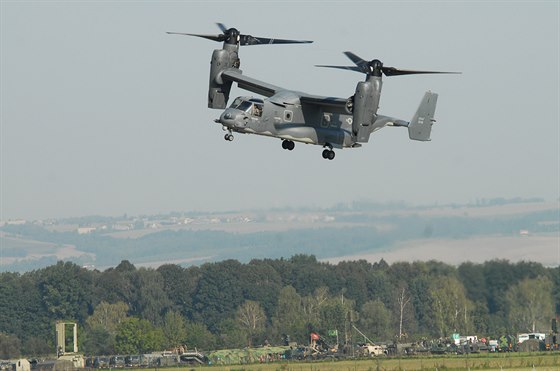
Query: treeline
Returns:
{"type": "Point", "coordinates": [229, 304]}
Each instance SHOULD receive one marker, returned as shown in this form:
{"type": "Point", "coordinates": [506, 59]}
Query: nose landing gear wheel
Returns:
{"type": "Point", "coordinates": [228, 137]}
{"type": "Point", "coordinates": [328, 154]}
{"type": "Point", "coordinates": [288, 144]}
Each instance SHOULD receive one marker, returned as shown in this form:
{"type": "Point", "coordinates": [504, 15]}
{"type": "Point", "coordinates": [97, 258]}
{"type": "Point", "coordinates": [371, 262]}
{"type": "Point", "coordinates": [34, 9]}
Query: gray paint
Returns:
{"type": "Point", "coordinates": [299, 117]}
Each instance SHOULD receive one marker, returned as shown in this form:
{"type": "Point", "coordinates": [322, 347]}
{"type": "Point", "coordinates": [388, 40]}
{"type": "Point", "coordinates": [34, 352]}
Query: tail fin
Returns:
{"type": "Point", "coordinates": [420, 126]}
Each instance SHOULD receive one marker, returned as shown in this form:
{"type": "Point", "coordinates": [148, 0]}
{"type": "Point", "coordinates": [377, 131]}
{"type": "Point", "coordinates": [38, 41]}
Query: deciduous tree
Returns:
{"type": "Point", "coordinates": [66, 291]}
{"type": "Point", "coordinates": [375, 321]}
{"type": "Point", "coordinates": [136, 335]}
{"type": "Point", "coordinates": [288, 319]}
{"type": "Point", "coordinates": [180, 284]}
{"type": "Point", "coordinates": [451, 308]}
{"type": "Point", "coordinates": [9, 346]}
{"type": "Point", "coordinates": [174, 329]}
{"type": "Point", "coordinates": [98, 340]}
{"type": "Point", "coordinates": [151, 300]}
{"type": "Point", "coordinates": [198, 336]}
{"type": "Point", "coordinates": [108, 316]}
{"type": "Point", "coordinates": [251, 320]}
{"type": "Point", "coordinates": [403, 300]}
{"type": "Point", "coordinates": [218, 293]}
{"type": "Point", "coordinates": [335, 317]}
{"type": "Point", "coordinates": [530, 303]}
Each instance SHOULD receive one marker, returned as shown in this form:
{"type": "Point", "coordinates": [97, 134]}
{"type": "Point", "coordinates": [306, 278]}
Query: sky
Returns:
{"type": "Point", "coordinates": [103, 113]}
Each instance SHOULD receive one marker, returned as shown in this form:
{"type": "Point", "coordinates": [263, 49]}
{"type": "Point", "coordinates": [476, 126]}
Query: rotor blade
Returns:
{"type": "Point", "coordinates": [222, 27]}
{"type": "Point", "coordinates": [392, 71]}
{"type": "Point", "coordinates": [209, 37]}
{"type": "Point", "coordinates": [354, 58]}
{"type": "Point", "coordinates": [349, 68]}
{"type": "Point", "coordinates": [363, 64]}
{"type": "Point", "coordinates": [251, 40]}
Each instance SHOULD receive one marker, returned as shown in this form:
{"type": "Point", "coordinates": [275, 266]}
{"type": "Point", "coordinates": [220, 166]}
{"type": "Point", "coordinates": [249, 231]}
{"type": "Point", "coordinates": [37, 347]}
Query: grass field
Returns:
{"type": "Point", "coordinates": [515, 361]}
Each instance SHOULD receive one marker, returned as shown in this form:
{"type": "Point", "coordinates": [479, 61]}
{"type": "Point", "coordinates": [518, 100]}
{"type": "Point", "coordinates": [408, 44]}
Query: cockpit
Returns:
{"type": "Point", "coordinates": [252, 106]}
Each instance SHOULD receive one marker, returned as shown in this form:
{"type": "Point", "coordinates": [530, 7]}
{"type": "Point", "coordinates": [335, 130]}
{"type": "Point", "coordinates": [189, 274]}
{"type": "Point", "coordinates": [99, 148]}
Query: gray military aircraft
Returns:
{"type": "Point", "coordinates": [294, 116]}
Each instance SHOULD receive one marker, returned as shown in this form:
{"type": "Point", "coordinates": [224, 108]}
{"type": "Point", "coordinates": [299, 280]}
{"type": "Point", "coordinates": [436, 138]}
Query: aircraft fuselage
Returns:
{"type": "Point", "coordinates": [283, 116]}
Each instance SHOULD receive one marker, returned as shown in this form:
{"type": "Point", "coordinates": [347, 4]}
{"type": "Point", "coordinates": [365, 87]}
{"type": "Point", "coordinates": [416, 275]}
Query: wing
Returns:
{"type": "Point", "coordinates": [250, 84]}
{"type": "Point", "coordinates": [382, 121]}
{"type": "Point", "coordinates": [268, 90]}
{"type": "Point", "coordinates": [316, 100]}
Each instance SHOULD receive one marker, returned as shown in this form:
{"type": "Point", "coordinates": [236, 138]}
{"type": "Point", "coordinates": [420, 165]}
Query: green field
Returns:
{"type": "Point", "coordinates": [515, 361]}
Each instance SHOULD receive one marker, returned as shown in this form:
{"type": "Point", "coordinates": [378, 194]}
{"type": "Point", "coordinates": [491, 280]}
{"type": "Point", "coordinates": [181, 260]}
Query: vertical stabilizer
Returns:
{"type": "Point", "coordinates": [420, 126]}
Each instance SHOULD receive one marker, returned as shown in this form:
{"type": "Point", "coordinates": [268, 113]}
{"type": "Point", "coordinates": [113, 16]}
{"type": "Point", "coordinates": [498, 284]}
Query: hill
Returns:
{"type": "Point", "coordinates": [508, 230]}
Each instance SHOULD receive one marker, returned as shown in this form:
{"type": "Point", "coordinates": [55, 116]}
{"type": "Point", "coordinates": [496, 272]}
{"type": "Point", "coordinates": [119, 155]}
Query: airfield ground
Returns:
{"type": "Point", "coordinates": [509, 361]}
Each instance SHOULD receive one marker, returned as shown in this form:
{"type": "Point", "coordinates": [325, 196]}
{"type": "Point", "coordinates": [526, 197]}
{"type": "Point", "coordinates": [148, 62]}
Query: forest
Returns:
{"type": "Point", "coordinates": [229, 304]}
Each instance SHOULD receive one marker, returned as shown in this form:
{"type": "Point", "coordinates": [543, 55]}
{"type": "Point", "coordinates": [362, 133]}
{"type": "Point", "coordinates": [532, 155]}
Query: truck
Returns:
{"type": "Point", "coordinates": [372, 350]}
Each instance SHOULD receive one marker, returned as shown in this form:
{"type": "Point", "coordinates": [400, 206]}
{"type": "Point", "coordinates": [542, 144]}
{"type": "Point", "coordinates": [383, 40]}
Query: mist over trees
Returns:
{"type": "Point", "coordinates": [231, 304]}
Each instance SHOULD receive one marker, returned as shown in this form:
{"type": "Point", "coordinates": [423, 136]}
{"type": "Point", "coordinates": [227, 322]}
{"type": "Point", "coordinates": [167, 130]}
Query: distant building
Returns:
{"type": "Point", "coordinates": [187, 221]}
{"type": "Point", "coordinates": [86, 230]}
{"type": "Point", "coordinates": [16, 222]}
{"type": "Point", "coordinates": [122, 226]}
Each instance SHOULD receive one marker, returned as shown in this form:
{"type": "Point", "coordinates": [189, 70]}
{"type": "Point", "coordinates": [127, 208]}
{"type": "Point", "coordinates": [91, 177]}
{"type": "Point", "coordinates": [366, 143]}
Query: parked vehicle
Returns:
{"type": "Point", "coordinates": [101, 362]}
{"type": "Point", "coordinates": [117, 361]}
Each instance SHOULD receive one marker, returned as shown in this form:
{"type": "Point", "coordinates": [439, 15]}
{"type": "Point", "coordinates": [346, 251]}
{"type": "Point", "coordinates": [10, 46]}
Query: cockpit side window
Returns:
{"type": "Point", "coordinates": [257, 110]}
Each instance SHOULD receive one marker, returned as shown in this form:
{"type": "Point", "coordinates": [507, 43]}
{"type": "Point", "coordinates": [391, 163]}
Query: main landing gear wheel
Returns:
{"type": "Point", "coordinates": [328, 154]}
{"type": "Point", "coordinates": [288, 144]}
{"type": "Point", "coordinates": [228, 137]}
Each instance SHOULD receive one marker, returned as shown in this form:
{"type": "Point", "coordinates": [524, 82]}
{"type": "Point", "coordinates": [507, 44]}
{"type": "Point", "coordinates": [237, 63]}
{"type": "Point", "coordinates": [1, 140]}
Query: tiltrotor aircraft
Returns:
{"type": "Point", "coordinates": [300, 117]}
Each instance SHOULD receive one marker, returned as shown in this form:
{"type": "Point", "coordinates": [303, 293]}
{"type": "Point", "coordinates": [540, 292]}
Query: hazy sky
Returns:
{"type": "Point", "coordinates": [104, 113]}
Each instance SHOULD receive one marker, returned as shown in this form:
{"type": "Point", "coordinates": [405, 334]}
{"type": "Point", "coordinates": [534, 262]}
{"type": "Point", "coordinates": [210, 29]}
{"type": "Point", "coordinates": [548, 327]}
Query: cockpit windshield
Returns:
{"type": "Point", "coordinates": [245, 106]}
{"type": "Point", "coordinates": [241, 104]}
{"type": "Point", "coordinates": [236, 102]}
{"type": "Point", "coordinates": [252, 106]}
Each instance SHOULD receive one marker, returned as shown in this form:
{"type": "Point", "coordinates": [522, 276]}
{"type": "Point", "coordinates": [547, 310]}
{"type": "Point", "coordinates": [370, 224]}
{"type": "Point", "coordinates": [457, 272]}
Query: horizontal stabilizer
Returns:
{"type": "Point", "coordinates": [420, 126]}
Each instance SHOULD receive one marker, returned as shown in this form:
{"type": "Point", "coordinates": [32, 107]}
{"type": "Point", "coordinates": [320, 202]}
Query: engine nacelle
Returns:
{"type": "Point", "coordinates": [366, 101]}
{"type": "Point", "coordinates": [218, 90]}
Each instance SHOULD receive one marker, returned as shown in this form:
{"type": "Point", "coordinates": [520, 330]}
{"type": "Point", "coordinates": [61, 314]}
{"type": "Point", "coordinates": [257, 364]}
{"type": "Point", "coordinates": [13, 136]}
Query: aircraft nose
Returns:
{"type": "Point", "coordinates": [231, 118]}
{"type": "Point", "coordinates": [227, 118]}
